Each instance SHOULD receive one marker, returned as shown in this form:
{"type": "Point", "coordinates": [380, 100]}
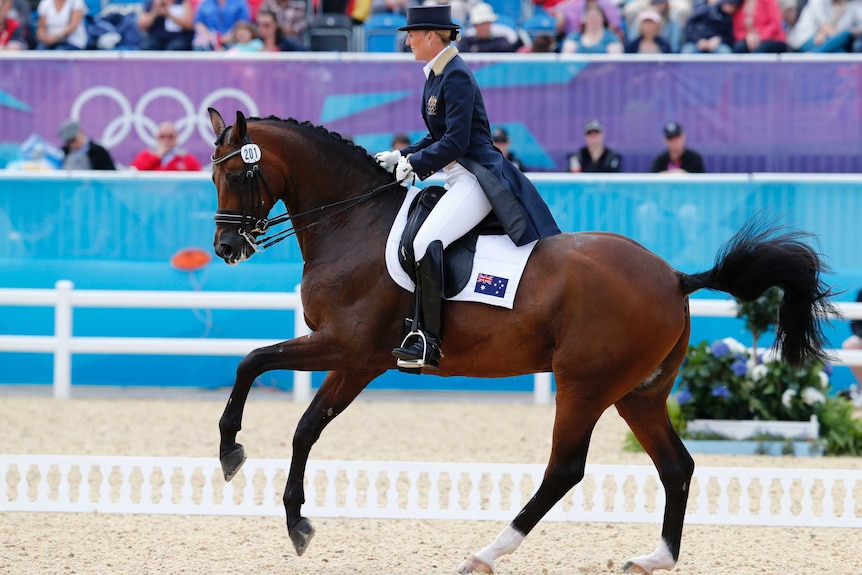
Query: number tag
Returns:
{"type": "Point", "coordinates": [250, 154]}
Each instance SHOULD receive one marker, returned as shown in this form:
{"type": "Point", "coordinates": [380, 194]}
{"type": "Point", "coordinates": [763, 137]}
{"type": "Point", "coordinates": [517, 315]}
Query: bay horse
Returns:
{"type": "Point", "coordinates": [609, 318]}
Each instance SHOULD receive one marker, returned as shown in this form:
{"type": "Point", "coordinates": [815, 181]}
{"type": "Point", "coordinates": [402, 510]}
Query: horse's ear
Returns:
{"type": "Point", "coordinates": [239, 129]}
{"type": "Point", "coordinates": [217, 121]}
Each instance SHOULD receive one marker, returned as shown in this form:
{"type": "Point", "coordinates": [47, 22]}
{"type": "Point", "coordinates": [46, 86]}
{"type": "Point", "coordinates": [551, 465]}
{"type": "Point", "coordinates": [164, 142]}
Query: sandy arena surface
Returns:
{"type": "Point", "coordinates": [377, 427]}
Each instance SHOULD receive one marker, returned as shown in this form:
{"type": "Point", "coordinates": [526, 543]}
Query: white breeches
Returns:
{"type": "Point", "coordinates": [460, 209]}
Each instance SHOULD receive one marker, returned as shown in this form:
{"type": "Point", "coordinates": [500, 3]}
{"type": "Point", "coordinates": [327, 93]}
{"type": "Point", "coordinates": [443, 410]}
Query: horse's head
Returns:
{"type": "Point", "coordinates": [244, 197]}
{"type": "Point", "coordinates": [328, 184]}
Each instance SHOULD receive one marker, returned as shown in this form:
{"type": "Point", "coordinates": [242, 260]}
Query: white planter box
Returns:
{"type": "Point", "coordinates": [744, 447]}
{"type": "Point", "coordinates": [745, 429]}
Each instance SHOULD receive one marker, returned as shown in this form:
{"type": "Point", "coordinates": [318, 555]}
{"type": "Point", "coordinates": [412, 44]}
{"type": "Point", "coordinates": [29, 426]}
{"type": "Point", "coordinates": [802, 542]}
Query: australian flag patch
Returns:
{"type": "Point", "coordinates": [487, 284]}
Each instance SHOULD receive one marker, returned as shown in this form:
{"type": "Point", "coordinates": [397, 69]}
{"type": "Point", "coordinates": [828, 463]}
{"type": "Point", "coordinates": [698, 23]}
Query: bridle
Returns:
{"type": "Point", "coordinates": [251, 227]}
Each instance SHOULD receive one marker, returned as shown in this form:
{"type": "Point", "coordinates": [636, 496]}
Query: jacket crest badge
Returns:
{"type": "Point", "coordinates": [431, 106]}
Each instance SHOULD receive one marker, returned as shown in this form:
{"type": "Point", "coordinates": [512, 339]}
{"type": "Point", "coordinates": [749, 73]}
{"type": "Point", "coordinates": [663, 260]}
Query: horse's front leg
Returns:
{"type": "Point", "coordinates": [338, 390]}
{"type": "Point", "coordinates": [306, 353]}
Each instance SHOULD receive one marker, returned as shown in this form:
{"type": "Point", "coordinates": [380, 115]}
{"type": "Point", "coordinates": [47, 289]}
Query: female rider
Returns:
{"type": "Point", "coordinates": [479, 179]}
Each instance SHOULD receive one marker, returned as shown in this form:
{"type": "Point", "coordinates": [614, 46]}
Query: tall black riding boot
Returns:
{"type": "Point", "coordinates": [421, 347]}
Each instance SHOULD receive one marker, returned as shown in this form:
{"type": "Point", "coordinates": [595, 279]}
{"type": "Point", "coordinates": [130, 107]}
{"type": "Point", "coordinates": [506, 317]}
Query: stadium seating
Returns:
{"type": "Point", "coordinates": [511, 9]}
{"type": "Point", "coordinates": [94, 7]}
{"type": "Point", "coordinates": [539, 23]}
{"type": "Point", "coordinates": [381, 32]}
{"type": "Point", "coordinates": [330, 33]}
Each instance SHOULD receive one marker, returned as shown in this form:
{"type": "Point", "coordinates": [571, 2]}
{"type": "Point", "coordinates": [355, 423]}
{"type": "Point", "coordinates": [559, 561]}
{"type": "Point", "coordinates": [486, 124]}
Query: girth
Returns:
{"type": "Point", "coordinates": [458, 257]}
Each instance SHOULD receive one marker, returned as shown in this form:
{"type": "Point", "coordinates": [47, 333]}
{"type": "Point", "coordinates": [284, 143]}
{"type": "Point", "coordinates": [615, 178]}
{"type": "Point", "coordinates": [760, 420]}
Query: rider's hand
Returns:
{"type": "Point", "coordinates": [404, 173]}
{"type": "Point", "coordinates": [388, 160]}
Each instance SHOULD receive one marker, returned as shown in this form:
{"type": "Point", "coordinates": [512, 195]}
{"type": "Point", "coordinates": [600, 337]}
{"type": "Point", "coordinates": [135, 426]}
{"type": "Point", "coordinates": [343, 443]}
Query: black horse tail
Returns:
{"type": "Point", "coordinates": [762, 255]}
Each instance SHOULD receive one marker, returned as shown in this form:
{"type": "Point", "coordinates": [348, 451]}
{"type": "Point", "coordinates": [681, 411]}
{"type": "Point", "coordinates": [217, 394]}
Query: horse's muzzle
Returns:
{"type": "Point", "coordinates": [231, 247]}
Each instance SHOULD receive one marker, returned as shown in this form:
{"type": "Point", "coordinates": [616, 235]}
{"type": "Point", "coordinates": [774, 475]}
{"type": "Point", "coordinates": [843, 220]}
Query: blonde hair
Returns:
{"type": "Point", "coordinates": [447, 36]}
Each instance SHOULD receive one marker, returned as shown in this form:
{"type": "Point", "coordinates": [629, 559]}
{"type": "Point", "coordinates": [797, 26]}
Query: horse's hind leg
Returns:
{"type": "Point", "coordinates": [573, 426]}
{"type": "Point", "coordinates": [645, 411]}
{"type": "Point", "coordinates": [338, 390]}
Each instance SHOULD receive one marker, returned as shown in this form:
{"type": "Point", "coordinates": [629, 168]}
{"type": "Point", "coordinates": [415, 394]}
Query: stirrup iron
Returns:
{"type": "Point", "coordinates": [414, 363]}
{"type": "Point", "coordinates": [431, 353]}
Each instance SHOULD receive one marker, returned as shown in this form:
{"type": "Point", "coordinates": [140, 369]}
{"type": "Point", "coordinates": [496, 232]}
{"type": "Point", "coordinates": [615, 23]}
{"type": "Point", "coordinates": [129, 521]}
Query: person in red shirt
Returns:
{"type": "Point", "coordinates": [166, 156]}
{"type": "Point", "coordinates": [11, 32]}
{"type": "Point", "coordinates": [758, 26]}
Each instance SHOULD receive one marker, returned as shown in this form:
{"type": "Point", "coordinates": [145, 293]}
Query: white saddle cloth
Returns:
{"type": "Point", "coordinates": [497, 266]}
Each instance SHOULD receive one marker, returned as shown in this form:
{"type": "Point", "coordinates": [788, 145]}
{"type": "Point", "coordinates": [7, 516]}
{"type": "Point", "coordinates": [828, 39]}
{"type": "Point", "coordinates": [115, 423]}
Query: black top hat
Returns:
{"type": "Point", "coordinates": [430, 18]}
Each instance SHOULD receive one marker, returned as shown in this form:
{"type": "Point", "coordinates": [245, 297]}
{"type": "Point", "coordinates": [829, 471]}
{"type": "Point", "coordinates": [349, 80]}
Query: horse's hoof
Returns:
{"type": "Point", "coordinates": [661, 558]}
{"type": "Point", "coordinates": [232, 461]}
{"type": "Point", "coordinates": [301, 535]}
{"type": "Point", "coordinates": [474, 565]}
{"type": "Point", "coordinates": [631, 567]}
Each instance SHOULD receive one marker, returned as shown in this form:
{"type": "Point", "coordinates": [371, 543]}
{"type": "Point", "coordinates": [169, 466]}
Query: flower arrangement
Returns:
{"type": "Point", "coordinates": [727, 380]}
{"type": "Point", "coordinates": [723, 381]}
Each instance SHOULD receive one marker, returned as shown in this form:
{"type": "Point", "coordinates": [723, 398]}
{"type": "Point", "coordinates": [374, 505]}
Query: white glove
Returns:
{"type": "Point", "coordinates": [404, 173]}
{"type": "Point", "coordinates": [388, 160]}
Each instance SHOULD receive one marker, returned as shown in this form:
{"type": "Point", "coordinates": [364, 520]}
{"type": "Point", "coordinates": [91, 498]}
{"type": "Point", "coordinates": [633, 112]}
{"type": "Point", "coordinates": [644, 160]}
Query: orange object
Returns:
{"type": "Point", "coordinates": [190, 259]}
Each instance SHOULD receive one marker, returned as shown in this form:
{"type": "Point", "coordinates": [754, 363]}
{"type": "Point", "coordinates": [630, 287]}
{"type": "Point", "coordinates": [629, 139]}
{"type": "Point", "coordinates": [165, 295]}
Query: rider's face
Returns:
{"type": "Point", "coordinates": [419, 42]}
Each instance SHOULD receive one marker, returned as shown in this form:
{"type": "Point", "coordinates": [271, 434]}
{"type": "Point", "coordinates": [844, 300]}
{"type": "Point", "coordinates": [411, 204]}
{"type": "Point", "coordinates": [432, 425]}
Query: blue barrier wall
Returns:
{"type": "Point", "coordinates": [120, 231]}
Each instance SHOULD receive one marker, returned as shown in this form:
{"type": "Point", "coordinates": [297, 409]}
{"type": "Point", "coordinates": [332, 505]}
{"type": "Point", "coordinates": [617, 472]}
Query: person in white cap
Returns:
{"type": "Point", "coordinates": [487, 36]}
{"type": "Point", "coordinates": [649, 39]}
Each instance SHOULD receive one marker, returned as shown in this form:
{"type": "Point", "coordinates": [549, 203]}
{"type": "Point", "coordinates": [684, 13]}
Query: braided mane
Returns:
{"type": "Point", "coordinates": [320, 130]}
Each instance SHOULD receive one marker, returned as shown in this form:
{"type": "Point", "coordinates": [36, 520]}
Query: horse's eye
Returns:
{"type": "Point", "coordinates": [235, 177]}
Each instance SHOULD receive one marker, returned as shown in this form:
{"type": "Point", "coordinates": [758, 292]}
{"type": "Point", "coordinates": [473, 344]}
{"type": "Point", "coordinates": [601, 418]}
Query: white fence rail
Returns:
{"type": "Point", "coordinates": [64, 299]}
{"type": "Point", "coordinates": [409, 490]}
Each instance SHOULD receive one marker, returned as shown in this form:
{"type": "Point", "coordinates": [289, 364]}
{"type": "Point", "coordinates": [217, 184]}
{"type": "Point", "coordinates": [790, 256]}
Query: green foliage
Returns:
{"type": "Point", "coordinates": [841, 431]}
{"type": "Point", "coordinates": [761, 314]}
{"type": "Point", "coordinates": [720, 381]}
{"type": "Point", "coordinates": [725, 380]}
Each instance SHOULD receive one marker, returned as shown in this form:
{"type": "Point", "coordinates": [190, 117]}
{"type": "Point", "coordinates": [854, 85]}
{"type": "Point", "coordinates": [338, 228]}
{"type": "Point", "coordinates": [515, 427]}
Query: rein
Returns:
{"type": "Point", "coordinates": [250, 227]}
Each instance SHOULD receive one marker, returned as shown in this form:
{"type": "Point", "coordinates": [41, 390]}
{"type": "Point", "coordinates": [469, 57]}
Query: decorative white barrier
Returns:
{"type": "Point", "coordinates": [409, 490]}
{"type": "Point", "coordinates": [64, 298]}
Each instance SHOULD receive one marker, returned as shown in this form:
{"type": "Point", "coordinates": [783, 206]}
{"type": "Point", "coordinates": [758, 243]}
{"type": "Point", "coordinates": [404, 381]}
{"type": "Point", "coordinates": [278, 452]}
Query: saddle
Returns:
{"type": "Point", "coordinates": [458, 257]}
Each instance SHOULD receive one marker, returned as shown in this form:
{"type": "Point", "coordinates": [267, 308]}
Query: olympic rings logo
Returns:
{"type": "Point", "coordinates": [145, 127]}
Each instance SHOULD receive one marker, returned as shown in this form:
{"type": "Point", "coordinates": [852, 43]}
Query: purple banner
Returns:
{"type": "Point", "coordinates": [754, 115]}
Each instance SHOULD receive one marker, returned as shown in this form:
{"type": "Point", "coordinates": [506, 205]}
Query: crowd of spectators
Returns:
{"type": "Point", "coordinates": [78, 151]}
{"type": "Point", "coordinates": [578, 26]}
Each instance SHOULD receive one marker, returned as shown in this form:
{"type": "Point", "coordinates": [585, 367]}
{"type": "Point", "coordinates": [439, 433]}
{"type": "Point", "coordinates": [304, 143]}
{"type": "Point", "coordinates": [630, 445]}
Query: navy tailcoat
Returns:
{"type": "Point", "coordinates": [458, 131]}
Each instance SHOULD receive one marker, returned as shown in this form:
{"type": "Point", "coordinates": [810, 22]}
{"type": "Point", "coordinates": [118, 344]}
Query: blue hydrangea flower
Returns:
{"type": "Point", "coordinates": [683, 396]}
{"type": "Point", "coordinates": [739, 368]}
{"type": "Point", "coordinates": [720, 349]}
{"type": "Point", "coordinates": [721, 392]}
{"type": "Point", "coordinates": [827, 368]}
